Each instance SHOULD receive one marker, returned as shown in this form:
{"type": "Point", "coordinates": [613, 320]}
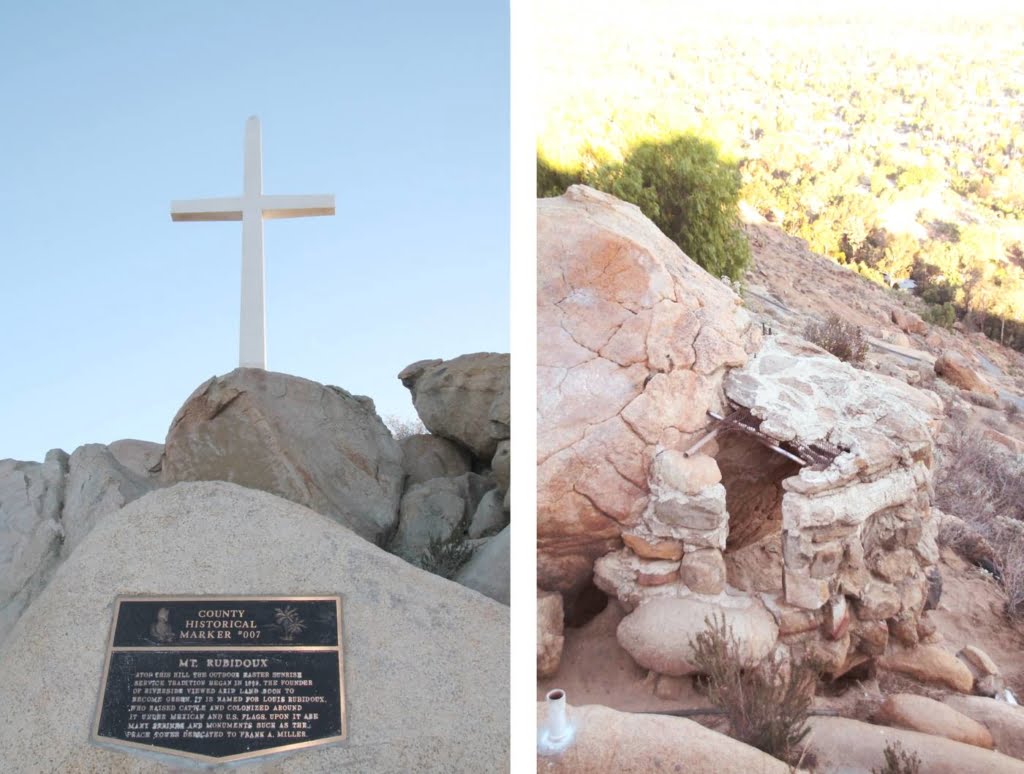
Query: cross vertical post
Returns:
{"type": "Point", "coordinates": [252, 208]}
{"type": "Point", "coordinates": [252, 344]}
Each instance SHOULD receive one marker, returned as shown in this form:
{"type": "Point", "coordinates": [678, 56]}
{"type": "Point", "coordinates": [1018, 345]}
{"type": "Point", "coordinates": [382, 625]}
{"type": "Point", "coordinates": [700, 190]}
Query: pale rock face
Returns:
{"type": "Point", "coordinates": [908, 322]}
{"type": "Point", "coordinates": [488, 570]}
{"type": "Point", "coordinates": [957, 370]}
{"type": "Point", "coordinates": [142, 457]}
{"type": "Point", "coordinates": [807, 395]}
{"type": "Point", "coordinates": [31, 499]}
{"type": "Point", "coordinates": [501, 466]}
{"type": "Point", "coordinates": [1004, 721]}
{"type": "Point", "coordinates": [426, 661]}
{"type": "Point", "coordinates": [97, 484]}
{"type": "Point", "coordinates": [315, 445]}
{"type": "Point", "coordinates": [489, 516]}
{"type": "Point", "coordinates": [658, 635]}
{"type": "Point", "coordinates": [436, 510]}
{"type": "Point", "coordinates": [845, 745]}
{"type": "Point", "coordinates": [550, 632]}
{"type": "Point", "coordinates": [633, 341]}
{"type": "Point", "coordinates": [653, 549]}
{"type": "Point", "coordinates": [465, 399]}
{"type": "Point", "coordinates": [427, 456]}
{"type": "Point", "coordinates": [919, 713]}
{"type": "Point", "coordinates": [688, 475]}
{"type": "Point", "coordinates": [979, 661]}
{"type": "Point", "coordinates": [930, 664]}
{"type": "Point", "coordinates": [703, 571]}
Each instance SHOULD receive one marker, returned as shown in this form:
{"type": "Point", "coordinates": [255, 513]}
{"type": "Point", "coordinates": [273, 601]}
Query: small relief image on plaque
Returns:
{"type": "Point", "coordinates": [223, 678]}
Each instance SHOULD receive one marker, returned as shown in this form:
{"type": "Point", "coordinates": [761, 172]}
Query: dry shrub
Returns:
{"type": "Point", "coordinates": [899, 761]}
{"type": "Point", "coordinates": [766, 707]}
{"type": "Point", "coordinates": [980, 482]}
{"type": "Point", "coordinates": [843, 339]}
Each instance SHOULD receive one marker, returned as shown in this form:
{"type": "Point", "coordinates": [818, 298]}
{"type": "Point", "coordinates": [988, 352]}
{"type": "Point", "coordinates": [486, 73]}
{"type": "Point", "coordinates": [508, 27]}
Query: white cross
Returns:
{"type": "Point", "coordinates": [252, 208]}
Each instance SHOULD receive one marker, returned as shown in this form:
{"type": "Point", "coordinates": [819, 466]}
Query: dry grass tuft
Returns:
{"type": "Point", "coordinates": [981, 483]}
{"type": "Point", "coordinates": [843, 339]}
{"type": "Point", "coordinates": [767, 706]}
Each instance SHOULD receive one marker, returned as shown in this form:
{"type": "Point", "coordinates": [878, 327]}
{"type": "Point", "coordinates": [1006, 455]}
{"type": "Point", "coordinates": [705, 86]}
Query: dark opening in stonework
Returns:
{"type": "Point", "coordinates": [584, 607]}
{"type": "Point", "coordinates": [752, 475]}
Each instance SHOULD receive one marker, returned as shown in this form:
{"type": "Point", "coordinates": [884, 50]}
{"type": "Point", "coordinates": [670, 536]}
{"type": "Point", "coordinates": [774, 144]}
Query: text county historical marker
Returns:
{"type": "Point", "coordinates": [223, 678]}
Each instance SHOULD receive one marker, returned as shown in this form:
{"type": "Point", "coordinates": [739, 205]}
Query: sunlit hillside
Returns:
{"type": "Point", "coordinates": [892, 144]}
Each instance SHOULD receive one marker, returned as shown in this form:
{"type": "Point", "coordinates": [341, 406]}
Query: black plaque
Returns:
{"type": "Point", "coordinates": [223, 678]}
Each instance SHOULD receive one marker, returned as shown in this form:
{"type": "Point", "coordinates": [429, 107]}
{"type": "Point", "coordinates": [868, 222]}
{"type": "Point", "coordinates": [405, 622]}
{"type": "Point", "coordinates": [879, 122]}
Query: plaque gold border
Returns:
{"type": "Point", "coordinates": [112, 743]}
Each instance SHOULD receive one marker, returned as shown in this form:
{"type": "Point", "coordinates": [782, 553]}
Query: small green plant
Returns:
{"type": "Point", "coordinates": [843, 339]}
{"type": "Point", "coordinates": [445, 557]}
{"type": "Point", "coordinates": [899, 761]}
{"type": "Point", "coordinates": [767, 706]}
{"type": "Point", "coordinates": [940, 314]}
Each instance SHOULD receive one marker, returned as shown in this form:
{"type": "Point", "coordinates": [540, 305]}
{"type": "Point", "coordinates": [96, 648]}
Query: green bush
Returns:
{"type": "Point", "coordinates": [940, 314]}
{"type": "Point", "coordinates": [689, 191]}
{"type": "Point", "coordinates": [682, 184]}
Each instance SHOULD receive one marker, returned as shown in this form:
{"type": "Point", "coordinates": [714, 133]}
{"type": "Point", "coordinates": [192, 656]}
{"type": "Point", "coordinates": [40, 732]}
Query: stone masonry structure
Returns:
{"type": "Point", "coordinates": [819, 547]}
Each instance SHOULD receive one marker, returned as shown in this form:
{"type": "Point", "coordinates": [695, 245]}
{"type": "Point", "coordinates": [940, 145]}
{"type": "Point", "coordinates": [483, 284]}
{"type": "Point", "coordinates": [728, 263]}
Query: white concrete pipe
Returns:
{"type": "Point", "coordinates": [557, 733]}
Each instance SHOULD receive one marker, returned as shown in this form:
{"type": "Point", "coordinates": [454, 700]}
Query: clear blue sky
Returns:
{"type": "Point", "coordinates": [112, 314]}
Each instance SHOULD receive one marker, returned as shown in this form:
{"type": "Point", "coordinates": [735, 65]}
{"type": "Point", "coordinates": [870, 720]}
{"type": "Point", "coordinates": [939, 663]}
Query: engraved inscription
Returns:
{"type": "Point", "coordinates": [256, 688]}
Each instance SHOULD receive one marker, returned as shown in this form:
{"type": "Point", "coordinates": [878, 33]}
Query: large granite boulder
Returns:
{"type": "Point", "coordinates": [316, 445]}
{"type": "Point", "coordinates": [97, 484]}
{"type": "Point", "coordinates": [489, 569]}
{"type": "Point", "coordinates": [465, 399]}
{"type": "Point", "coordinates": [1003, 720]}
{"type": "Point", "coordinates": [437, 510]}
{"type": "Point", "coordinates": [957, 370]}
{"type": "Point", "coordinates": [31, 535]}
{"type": "Point", "coordinates": [844, 746]}
{"type": "Point", "coordinates": [426, 660]}
{"type": "Point", "coordinates": [633, 342]}
{"type": "Point", "coordinates": [660, 634]}
{"type": "Point", "coordinates": [426, 456]}
{"type": "Point", "coordinates": [919, 713]}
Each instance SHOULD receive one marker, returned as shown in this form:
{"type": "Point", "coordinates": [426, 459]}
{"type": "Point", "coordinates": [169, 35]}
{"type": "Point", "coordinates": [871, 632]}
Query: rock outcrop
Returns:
{"type": "Point", "coordinates": [958, 371]}
{"type": "Point", "coordinates": [426, 661]}
{"type": "Point", "coordinates": [489, 569]}
{"type": "Point", "coordinates": [550, 632]}
{"type": "Point", "coordinates": [660, 634]}
{"type": "Point", "coordinates": [464, 403]}
{"type": "Point", "coordinates": [31, 535]}
{"type": "Point", "coordinates": [47, 508]}
{"type": "Point", "coordinates": [315, 445]}
{"type": "Point", "coordinates": [841, 745]}
{"type": "Point", "coordinates": [633, 342]}
{"type": "Point", "coordinates": [1004, 721]}
{"type": "Point", "coordinates": [465, 399]}
{"type": "Point", "coordinates": [425, 457]}
{"type": "Point", "coordinates": [919, 713]}
{"type": "Point", "coordinates": [97, 484]}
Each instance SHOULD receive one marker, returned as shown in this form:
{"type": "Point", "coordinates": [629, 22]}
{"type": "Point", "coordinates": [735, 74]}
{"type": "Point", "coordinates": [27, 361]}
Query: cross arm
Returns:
{"type": "Point", "coordinates": [222, 208]}
{"type": "Point", "coordinates": [275, 207]}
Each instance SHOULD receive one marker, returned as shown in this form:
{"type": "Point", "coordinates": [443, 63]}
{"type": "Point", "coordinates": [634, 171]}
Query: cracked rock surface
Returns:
{"type": "Point", "coordinates": [633, 342]}
{"type": "Point", "coordinates": [316, 445]}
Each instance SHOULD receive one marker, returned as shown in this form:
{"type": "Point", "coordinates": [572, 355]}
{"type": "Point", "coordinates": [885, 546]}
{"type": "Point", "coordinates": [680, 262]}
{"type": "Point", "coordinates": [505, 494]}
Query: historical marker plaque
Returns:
{"type": "Point", "coordinates": [223, 678]}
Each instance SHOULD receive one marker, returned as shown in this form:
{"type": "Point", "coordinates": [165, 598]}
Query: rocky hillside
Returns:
{"type": "Point", "coordinates": [440, 500]}
{"type": "Point", "coordinates": [854, 516]}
